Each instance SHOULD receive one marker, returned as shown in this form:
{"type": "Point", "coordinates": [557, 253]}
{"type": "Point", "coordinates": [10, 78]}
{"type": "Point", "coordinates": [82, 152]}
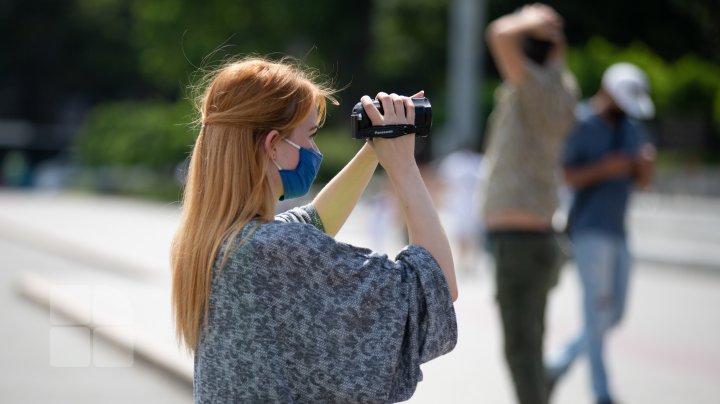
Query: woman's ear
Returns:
{"type": "Point", "coordinates": [271, 140]}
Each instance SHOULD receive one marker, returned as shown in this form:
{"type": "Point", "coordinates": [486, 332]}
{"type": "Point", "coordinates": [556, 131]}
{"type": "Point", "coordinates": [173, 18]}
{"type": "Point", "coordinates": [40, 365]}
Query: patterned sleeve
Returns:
{"type": "Point", "coordinates": [302, 214]}
{"type": "Point", "coordinates": [369, 321]}
{"type": "Point", "coordinates": [437, 330]}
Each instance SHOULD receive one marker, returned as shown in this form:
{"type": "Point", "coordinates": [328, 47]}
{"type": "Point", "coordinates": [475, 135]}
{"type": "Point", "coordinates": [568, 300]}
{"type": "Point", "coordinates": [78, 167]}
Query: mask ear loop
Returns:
{"type": "Point", "coordinates": [295, 145]}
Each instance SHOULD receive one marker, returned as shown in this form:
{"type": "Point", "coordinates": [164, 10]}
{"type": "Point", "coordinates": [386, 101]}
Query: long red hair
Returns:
{"type": "Point", "coordinates": [227, 184]}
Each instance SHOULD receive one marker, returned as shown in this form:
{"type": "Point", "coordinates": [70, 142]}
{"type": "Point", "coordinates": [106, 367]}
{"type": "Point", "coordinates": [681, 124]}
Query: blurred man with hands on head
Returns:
{"type": "Point", "coordinates": [533, 113]}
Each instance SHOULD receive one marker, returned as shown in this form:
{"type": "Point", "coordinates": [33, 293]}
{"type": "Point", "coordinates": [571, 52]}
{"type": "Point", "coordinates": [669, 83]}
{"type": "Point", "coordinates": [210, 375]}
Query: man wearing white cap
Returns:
{"type": "Point", "coordinates": [605, 156]}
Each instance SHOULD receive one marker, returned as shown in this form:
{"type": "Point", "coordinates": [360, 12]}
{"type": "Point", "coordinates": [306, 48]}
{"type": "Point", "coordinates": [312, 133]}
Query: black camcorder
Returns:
{"type": "Point", "coordinates": [362, 128]}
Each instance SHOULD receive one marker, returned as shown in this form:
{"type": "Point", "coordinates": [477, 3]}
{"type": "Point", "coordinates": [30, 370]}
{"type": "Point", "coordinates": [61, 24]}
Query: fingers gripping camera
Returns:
{"type": "Point", "coordinates": [362, 128]}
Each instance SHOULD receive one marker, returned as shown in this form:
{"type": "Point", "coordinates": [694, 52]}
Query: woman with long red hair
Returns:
{"type": "Point", "coordinates": [273, 308]}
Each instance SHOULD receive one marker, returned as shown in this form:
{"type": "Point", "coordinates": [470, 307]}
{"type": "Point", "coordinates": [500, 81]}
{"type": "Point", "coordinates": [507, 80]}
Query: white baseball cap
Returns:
{"type": "Point", "coordinates": [629, 88]}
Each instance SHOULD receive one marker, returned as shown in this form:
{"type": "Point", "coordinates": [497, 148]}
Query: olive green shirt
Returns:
{"type": "Point", "coordinates": [525, 134]}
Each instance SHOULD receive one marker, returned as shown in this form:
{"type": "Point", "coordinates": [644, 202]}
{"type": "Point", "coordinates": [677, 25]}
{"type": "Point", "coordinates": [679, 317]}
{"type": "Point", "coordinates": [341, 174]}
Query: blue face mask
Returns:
{"type": "Point", "coordinates": [297, 182]}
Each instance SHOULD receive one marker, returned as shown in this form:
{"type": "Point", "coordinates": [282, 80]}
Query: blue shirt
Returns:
{"type": "Point", "coordinates": [602, 206]}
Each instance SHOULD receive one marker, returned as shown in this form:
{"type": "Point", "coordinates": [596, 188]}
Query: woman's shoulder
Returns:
{"type": "Point", "coordinates": [273, 240]}
{"type": "Point", "coordinates": [282, 239]}
{"type": "Point", "coordinates": [292, 231]}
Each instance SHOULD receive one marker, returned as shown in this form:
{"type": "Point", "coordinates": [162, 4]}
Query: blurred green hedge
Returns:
{"type": "Point", "coordinates": [686, 86]}
{"type": "Point", "coordinates": [158, 135]}
{"type": "Point", "coordinates": [148, 133]}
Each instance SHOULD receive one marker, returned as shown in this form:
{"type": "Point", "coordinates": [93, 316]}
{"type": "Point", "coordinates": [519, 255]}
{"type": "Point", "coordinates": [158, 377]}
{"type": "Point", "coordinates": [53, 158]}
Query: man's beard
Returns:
{"type": "Point", "coordinates": [616, 113]}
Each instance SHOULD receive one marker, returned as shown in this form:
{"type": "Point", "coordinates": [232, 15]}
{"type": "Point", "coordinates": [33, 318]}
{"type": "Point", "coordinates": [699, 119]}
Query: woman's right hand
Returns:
{"type": "Point", "coordinates": [396, 154]}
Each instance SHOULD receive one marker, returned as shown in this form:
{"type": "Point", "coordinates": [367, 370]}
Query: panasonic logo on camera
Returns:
{"type": "Point", "coordinates": [383, 132]}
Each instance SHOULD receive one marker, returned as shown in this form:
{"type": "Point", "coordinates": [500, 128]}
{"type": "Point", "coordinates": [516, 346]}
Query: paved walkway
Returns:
{"type": "Point", "coordinates": [676, 231]}
{"type": "Point", "coordinates": [665, 353]}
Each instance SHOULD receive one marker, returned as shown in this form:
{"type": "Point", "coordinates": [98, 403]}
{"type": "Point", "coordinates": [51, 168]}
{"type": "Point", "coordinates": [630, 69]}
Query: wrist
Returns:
{"type": "Point", "coordinates": [402, 174]}
{"type": "Point", "coordinates": [368, 153]}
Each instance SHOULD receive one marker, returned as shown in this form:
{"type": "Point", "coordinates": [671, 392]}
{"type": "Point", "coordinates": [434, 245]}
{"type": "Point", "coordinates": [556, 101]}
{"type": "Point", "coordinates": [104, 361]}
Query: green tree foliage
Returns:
{"type": "Point", "coordinates": [154, 134]}
{"type": "Point", "coordinates": [687, 86]}
{"type": "Point", "coordinates": [174, 38]}
{"type": "Point", "coordinates": [672, 28]}
{"type": "Point", "coordinates": [56, 54]}
{"type": "Point", "coordinates": [109, 57]}
{"type": "Point", "coordinates": [409, 45]}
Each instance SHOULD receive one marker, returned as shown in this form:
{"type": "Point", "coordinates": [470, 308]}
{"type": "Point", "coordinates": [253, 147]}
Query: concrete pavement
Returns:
{"type": "Point", "coordinates": [47, 358]}
{"type": "Point", "coordinates": [666, 352]}
{"type": "Point", "coordinates": [676, 231]}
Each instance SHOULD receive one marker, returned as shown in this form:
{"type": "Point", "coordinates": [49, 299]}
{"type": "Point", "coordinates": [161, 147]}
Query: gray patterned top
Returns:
{"type": "Point", "coordinates": [526, 132]}
{"type": "Point", "coordinates": [298, 317]}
